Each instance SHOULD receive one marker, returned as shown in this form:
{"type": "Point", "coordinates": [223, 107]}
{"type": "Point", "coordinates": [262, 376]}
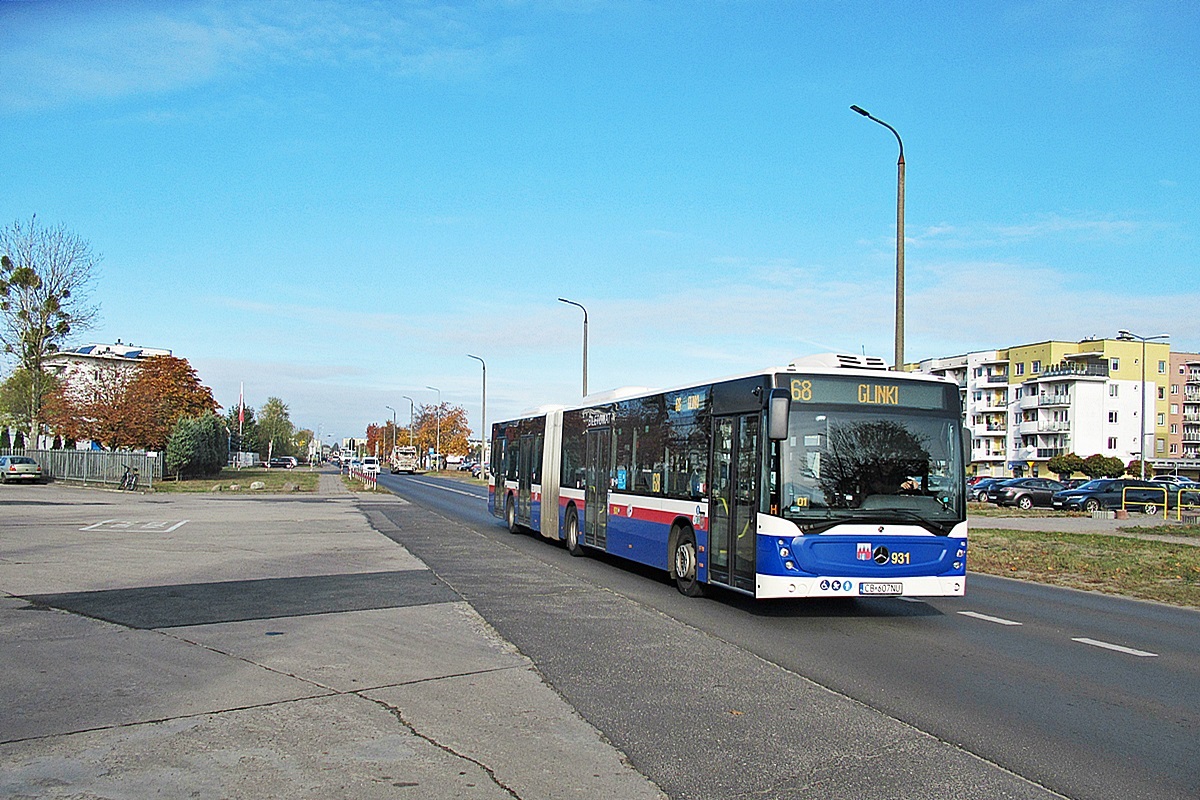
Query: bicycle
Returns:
{"type": "Point", "coordinates": [129, 480]}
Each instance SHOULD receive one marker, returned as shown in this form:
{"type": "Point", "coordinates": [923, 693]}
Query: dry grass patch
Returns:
{"type": "Point", "coordinates": [1148, 569]}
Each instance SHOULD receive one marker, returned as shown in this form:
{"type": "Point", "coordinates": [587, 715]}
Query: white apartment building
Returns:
{"type": "Point", "coordinates": [90, 359]}
{"type": "Point", "coordinates": [1026, 404]}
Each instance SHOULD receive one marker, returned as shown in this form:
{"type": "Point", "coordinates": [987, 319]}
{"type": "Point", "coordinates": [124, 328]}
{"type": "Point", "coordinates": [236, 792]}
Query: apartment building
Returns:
{"type": "Point", "coordinates": [1183, 409]}
{"type": "Point", "coordinates": [91, 359]}
{"type": "Point", "coordinates": [1028, 403]}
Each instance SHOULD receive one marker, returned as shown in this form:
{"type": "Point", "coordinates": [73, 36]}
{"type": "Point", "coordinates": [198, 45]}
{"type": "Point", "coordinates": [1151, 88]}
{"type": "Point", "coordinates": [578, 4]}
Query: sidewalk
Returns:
{"type": "Point", "coordinates": [250, 647]}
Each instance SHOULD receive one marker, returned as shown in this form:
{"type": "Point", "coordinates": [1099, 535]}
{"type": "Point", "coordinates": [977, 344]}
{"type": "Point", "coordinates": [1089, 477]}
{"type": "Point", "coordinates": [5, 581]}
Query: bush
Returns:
{"type": "Point", "coordinates": [196, 447]}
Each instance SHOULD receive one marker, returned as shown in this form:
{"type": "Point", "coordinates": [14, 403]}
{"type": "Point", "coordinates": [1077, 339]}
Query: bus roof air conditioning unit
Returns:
{"type": "Point", "coordinates": [839, 361]}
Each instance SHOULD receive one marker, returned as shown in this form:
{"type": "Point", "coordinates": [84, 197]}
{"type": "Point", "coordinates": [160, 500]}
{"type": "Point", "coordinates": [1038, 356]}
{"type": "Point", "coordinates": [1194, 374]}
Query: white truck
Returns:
{"type": "Point", "coordinates": [404, 459]}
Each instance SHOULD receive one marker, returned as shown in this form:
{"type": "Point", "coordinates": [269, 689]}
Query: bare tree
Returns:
{"type": "Point", "coordinates": [45, 279]}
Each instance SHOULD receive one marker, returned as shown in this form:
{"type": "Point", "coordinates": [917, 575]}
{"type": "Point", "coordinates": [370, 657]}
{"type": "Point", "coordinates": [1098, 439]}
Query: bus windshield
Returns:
{"type": "Point", "coordinates": [869, 465]}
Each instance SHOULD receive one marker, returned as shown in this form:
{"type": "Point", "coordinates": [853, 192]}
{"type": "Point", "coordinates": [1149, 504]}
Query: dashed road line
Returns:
{"type": "Point", "coordinates": [445, 488]}
{"type": "Point", "coordinates": [988, 618]}
{"type": "Point", "coordinates": [1118, 648]}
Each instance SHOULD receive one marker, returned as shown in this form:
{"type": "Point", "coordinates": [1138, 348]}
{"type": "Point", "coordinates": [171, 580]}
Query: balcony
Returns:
{"type": "Point", "coordinates": [1072, 370]}
{"type": "Point", "coordinates": [1050, 452]}
{"type": "Point", "coordinates": [1054, 399]}
{"type": "Point", "coordinates": [1053, 426]}
{"type": "Point", "coordinates": [994, 379]}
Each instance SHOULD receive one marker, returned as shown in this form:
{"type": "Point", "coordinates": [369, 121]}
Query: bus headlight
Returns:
{"type": "Point", "coordinates": [784, 552]}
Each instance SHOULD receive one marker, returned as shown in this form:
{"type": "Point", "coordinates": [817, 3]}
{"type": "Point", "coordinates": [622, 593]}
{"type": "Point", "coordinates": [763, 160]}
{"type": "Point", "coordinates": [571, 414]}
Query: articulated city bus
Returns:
{"type": "Point", "coordinates": [831, 476]}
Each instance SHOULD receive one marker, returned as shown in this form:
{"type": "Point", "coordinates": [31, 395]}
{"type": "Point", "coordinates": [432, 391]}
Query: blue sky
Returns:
{"type": "Point", "coordinates": [336, 202]}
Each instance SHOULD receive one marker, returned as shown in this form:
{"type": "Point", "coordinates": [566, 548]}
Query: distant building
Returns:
{"type": "Point", "coordinates": [90, 359]}
{"type": "Point", "coordinates": [1027, 403]}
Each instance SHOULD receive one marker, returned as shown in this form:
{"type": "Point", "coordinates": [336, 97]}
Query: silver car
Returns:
{"type": "Point", "coordinates": [20, 468]}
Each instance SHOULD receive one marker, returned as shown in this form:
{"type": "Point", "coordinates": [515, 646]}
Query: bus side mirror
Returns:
{"type": "Point", "coordinates": [966, 446]}
{"type": "Point", "coordinates": [778, 408]}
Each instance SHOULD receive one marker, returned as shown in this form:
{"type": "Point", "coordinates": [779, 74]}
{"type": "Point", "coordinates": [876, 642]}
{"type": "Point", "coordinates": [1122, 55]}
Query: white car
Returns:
{"type": "Point", "coordinates": [370, 465]}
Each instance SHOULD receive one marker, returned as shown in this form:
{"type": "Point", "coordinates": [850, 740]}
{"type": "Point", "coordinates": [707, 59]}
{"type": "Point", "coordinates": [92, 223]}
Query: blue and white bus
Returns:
{"type": "Point", "coordinates": [830, 477]}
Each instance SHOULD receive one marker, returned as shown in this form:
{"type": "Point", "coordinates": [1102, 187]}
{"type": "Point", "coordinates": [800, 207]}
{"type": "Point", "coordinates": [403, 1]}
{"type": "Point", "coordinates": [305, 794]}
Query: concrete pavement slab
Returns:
{"type": "Point", "coordinates": [231, 647]}
{"type": "Point", "coordinates": [326, 748]}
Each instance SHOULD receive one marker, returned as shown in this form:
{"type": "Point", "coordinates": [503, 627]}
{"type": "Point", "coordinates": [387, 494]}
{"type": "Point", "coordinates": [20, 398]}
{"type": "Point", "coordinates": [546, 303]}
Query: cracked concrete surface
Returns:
{"type": "Point", "coordinates": [393, 699]}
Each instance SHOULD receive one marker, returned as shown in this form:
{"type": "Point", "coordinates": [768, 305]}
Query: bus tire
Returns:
{"type": "Point", "coordinates": [510, 514]}
{"type": "Point", "coordinates": [574, 545]}
{"type": "Point", "coordinates": [684, 563]}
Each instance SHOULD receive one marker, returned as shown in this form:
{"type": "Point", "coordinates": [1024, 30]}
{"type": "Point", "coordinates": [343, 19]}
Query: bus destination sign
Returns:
{"type": "Point", "coordinates": [858, 392]}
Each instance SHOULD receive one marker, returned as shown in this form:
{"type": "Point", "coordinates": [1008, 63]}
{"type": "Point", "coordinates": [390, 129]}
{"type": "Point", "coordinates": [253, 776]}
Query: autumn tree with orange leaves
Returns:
{"type": "Point", "coordinates": [131, 409]}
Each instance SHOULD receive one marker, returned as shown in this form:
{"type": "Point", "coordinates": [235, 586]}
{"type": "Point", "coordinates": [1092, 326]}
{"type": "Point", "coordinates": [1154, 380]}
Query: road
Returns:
{"type": "Point", "coordinates": [1078, 694]}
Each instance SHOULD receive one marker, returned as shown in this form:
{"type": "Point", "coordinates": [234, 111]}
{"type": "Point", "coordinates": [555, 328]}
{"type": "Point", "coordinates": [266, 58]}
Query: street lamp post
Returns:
{"type": "Point", "coordinates": [438, 446]}
{"type": "Point", "coordinates": [483, 431]}
{"type": "Point", "coordinates": [411, 406]}
{"type": "Point", "coordinates": [389, 408]}
{"type": "Point", "coordinates": [899, 365]}
{"type": "Point", "coordinates": [1126, 336]}
{"type": "Point", "coordinates": [585, 338]}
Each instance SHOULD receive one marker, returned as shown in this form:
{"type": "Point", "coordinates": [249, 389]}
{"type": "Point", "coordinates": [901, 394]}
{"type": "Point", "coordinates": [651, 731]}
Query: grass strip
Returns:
{"type": "Point", "coordinates": [1149, 569]}
{"type": "Point", "coordinates": [275, 481]}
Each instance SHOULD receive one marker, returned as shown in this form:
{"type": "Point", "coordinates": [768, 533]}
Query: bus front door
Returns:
{"type": "Point", "coordinates": [734, 500]}
{"type": "Point", "coordinates": [525, 481]}
{"type": "Point", "coordinates": [598, 463]}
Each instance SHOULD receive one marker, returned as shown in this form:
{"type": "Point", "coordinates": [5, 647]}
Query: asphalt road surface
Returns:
{"type": "Point", "coordinates": [1061, 692]}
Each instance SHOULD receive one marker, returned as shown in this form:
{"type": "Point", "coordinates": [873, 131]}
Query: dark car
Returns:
{"type": "Point", "coordinates": [286, 462]}
{"type": "Point", "coordinates": [1109, 493]}
{"type": "Point", "coordinates": [979, 491]}
{"type": "Point", "coordinates": [1025, 493]}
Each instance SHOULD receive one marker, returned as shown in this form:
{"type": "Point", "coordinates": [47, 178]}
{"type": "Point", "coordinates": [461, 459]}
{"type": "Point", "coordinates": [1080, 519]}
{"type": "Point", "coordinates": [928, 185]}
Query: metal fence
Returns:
{"type": "Point", "coordinates": [95, 466]}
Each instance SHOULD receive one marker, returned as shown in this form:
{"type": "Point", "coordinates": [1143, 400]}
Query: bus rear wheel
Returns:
{"type": "Point", "coordinates": [510, 515]}
{"type": "Point", "coordinates": [574, 546]}
{"type": "Point", "coordinates": [684, 564]}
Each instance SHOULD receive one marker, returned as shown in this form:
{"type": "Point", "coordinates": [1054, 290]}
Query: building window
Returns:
{"type": "Point", "coordinates": [1114, 364]}
{"type": "Point", "coordinates": [1160, 446]}
{"type": "Point", "coordinates": [1162, 419]}
{"type": "Point", "coordinates": [1162, 393]}
{"type": "Point", "coordinates": [1174, 388]}
{"type": "Point", "coordinates": [1112, 416]}
{"type": "Point", "coordinates": [1112, 390]}
{"type": "Point", "coordinates": [1162, 368]}
{"type": "Point", "coordinates": [1035, 367]}
{"type": "Point", "coordinates": [1174, 409]}
{"type": "Point", "coordinates": [1112, 443]}
{"type": "Point", "coordinates": [1020, 367]}
{"type": "Point", "coordinates": [1174, 428]}
{"type": "Point", "coordinates": [1174, 449]}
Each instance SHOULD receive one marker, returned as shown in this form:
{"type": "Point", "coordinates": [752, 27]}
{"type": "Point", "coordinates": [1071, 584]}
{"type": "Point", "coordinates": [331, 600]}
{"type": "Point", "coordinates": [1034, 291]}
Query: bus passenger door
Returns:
{"type": "Point", "coordinates": [733, 500]}
{"type": "Point", "coordinates": [525, 481]}
{"type": "Point", "coordinates": [598, 465]}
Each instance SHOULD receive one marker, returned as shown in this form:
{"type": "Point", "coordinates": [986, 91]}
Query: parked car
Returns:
{"type": "Point", "coordinates": [282, 462]}
{"type": "Point", "coordinates": [1109, 493]}
{"type": "Point", "coordinates": [979, 491]}
{"type": "Point", "coordinates": [20, 468]}
{"type": "Point", "coordinates": [1178, 481]}
{"type": "Point", "coordinates": [1025, 493]}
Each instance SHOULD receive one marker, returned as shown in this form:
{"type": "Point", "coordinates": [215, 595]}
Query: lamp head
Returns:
{"type": "Point", "coordinates": [859, 110]}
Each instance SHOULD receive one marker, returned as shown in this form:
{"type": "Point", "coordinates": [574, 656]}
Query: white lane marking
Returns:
{"type": "Point", "coordinates": [1127, 650]}
{"type": "Point", "coordinates": [446, 488]}
{"type": "Point", "coordinates": [986, 618]}
{"type": "Point", "coordinates": [130, 525]}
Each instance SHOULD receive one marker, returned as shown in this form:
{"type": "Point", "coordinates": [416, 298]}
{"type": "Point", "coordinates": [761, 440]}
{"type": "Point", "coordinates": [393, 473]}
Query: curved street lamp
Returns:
{"type": "Point", "coordinates": [483, 431]}
{"type": "Point", "coordinates": [1126, 336]}
{"type": "Point", "coordinates": [899, 365]}
{"type": "Point", "coordinates": [438, 446]}
{"type": "Point", "coordinates": [411, 406]}
{"type": "Point", "coordinates": [389, 408]}
{"type": "Point", "coordinates": [585, 338]}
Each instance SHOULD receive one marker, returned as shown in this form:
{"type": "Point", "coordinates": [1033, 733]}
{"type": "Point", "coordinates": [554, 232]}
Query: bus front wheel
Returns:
{"type": "Point", "coordinates": [684, 564]}
{"type": "Point", "coordinates": [574, 546]}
